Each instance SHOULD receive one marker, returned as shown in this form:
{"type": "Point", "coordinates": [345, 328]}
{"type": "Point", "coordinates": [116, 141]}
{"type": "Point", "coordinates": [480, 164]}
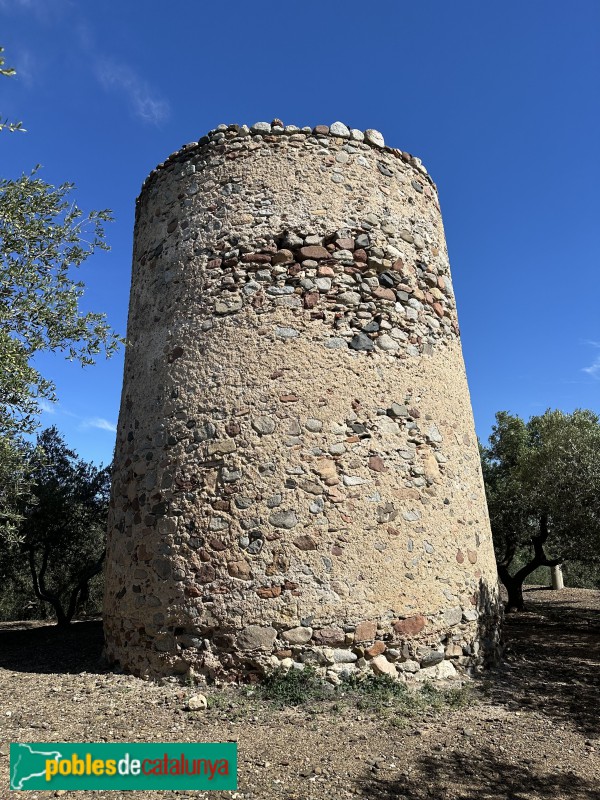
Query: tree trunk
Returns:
{"type": "Point", "coordinates": [514, 588]}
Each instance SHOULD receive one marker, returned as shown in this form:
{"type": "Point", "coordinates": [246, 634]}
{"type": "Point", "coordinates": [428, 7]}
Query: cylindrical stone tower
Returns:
{"type": "Point", "coordinates": [297, 477]}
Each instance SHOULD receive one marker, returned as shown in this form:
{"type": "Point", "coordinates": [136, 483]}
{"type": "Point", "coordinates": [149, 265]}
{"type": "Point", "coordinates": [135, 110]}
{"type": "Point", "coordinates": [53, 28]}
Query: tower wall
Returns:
{"type": "Point", "coordinates": [297, 476]}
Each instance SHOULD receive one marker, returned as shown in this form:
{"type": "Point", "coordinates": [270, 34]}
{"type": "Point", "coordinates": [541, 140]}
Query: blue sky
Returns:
{"type": "Point", "coordinates": [500, 100]}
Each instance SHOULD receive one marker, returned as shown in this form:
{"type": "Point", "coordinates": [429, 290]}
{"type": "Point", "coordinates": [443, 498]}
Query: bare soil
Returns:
{"type": "Point", "coordinates": [530, 728]}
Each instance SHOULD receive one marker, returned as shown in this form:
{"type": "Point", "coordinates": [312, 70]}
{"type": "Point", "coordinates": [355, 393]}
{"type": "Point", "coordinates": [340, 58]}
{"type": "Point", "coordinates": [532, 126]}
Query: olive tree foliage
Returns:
{"type": "Point", "coordinates": [542, 481]}
{"type": "Point", "coordinates": [8, 72]}
{"type": "Point", "coordinates": [63, 527]}
{"type": "Point", "coordinates": [44, 238]}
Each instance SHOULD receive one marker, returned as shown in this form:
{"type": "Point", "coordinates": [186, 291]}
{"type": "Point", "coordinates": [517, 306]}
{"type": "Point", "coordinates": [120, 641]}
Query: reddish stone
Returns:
{"type": "Point", "coordinates": [384, 294]}
{"type": "Point", "coordinates": [281, 654]}
{"type": "Point", "coordinates": [376, 463]}
{"type": "Point", "coordinates": [192, 591]}
{"type": "Point", "coordinates": [290, 586]}
{"type": "Point", "coordinates": [460, 557]}
{"type": "Point", "coordinates": [277, 374]}
{"type": "Point", "coordinates": [410, 626]}
{"type": "Point", "coordinates": [414, 412]}
{"type": "Point", "coordinates": [268, 591]}
{"type": "Point", "coordinates": [214, 263]}
{"type": "Point", "coordinates": [288, 398]}
{"type": "Point", "coordinates": [335, 496]}
{"type": "Point", "coordinates": [314, 251]}
{"type": "Point", "coordinates": [206, 573]}
{"type": "Point", "coordinates": [376, 649]}
{"type": "Point", "coordinates": [441, 282]}
{"type": "Point", "coordinates": [256, 258]}
{"type": "Point", "coordinates": [240, 570]}
{"type": "Point", "coordinates": [294, 270]}
{"type": "Point", "coordinates": [282, 257]}
{"type": "Point", "coordinates": [305, 542]}
{"type": "Point", "coordinates": [393, 531]}
{"type": "Point", "coordinates": [437, 307]}
{"type": "Point", "coordinates": [365, 631]}
{"type": "Point", "coordinates": [345, 244]}
{"type": "Point", "coordinates": [360, 255]}
{"type": "Point", "coordinates": [336, 550]}
{"type": "Point", "coordinates": [472, 556]}
{"type": "Point", "coordinates": [321, 130]}
{"type": "Point", "coordinates": [325, 272]}
{"type": "Point", "coordinates": [398, 265]}
{"type": "Point", "coordinates": [331, 636]}
{"type": "Point", "coordinates": [353, 439]}
{"type": "Point", "coordinates": [218, 545]}
{"type": "Point", "coordinates": [311, 299]}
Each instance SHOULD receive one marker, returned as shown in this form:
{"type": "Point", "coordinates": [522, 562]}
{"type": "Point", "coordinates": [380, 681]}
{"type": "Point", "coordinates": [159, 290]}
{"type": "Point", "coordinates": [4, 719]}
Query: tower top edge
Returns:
{"type": "Point", "coordinates": [272, 132]}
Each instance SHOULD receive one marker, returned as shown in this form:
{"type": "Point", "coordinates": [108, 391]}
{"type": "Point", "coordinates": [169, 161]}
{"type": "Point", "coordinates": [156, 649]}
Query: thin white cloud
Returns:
{"type": "Point", "coordinates": [46, 407]}
{"type": "Point", "coordinates": [146, 104]}
{"type": "Point", "coordinates": [594, 368]}
{"type": "Point", "coordinates": [100, 423]}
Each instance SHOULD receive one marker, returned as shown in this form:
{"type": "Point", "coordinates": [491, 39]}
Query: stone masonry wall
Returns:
{"type": "Point", "coordinates": [297, 477]}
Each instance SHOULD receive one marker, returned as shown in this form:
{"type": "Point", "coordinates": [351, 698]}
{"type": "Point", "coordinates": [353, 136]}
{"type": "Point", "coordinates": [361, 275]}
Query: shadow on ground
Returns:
{"type": "Point", "coordinates": [551, 664]}
{"type": "Point", "coordinates": [49, 649]}
{"type": "Point", "coordinates": [550, 667]}
{"type": "Point", "coordinates": [479, 775]}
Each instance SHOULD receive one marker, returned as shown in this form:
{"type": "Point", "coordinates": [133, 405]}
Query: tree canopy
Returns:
{"type": "Point", "coordinates": [44, 237]}
{"type": "Point", "coordinates": [542, 480]}
{"type": "Point", "coordinates": [63, 524]}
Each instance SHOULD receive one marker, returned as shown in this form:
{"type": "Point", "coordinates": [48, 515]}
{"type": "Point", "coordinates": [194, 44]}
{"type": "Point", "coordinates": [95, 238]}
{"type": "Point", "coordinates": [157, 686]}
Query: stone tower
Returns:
{"type": "Point", "coordinates": [297, 476]}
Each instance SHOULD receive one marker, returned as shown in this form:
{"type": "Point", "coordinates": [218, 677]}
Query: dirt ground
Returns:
{"type": "Point", "coordinates": [530, 728]}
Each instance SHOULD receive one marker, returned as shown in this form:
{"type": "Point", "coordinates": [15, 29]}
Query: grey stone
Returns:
{"type": "Point", "coordinates": [315, 425]}
{"type": "Point", "coordinates": [374, 137]}
{"type": "Point", "coordinates": [261, 127]}
{"type": "Point", "coordinates": [257, 637]}
{"type": "Point", "coordinates": [428, 658]}
{"type": "Point", "coordinates": [353, 480]}
{"type": "Point", "coordinates": [335, 343]}
{"type": "Point", "coordinates": [339, 129]}
{"type": "Point", "coordinates": [356, 135]}
{"type": "Point", "coordinates": [445, 670]}
{"type": "Point", "coordinates": [409, 666]}
{"type": "Point", "coordinates": [362, 342]}
{"type": "Point", "coordinates": [299, 635]}
{"type": "Point", "coordinates": [385, 342]}
{"type": "Point", "coordinates": [349, 298]}
{"type": "Point", "coordinates": [286, 333]}
{"type": "Point", "coordinates": [317, 506]}
{"type": "Point", "coordinates": [342, 656]}
{"type": "Point", "coordinates": [228, 306]}
{"type": "Point", "coordinates": [263, 425]}
{"type": "Point", "coordinates": [453, 616]}
{"type": "Point", "coordinates": [284, 519]}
